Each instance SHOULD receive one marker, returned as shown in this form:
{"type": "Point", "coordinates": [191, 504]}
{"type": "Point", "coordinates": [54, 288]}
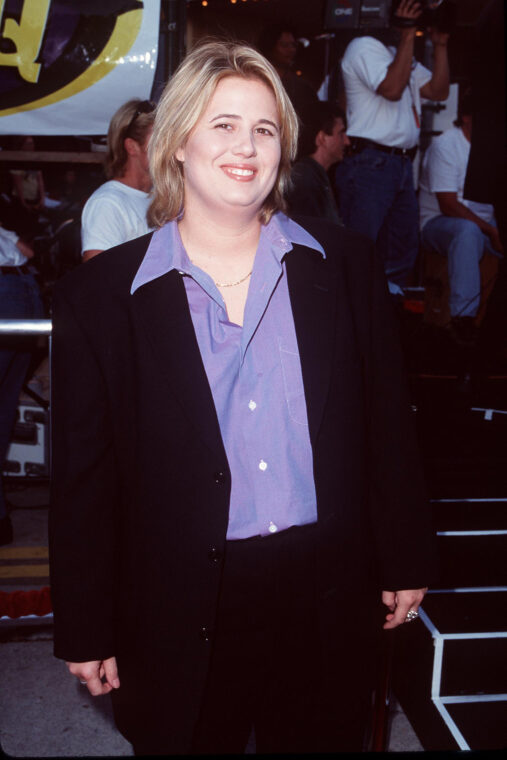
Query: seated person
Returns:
{"type": "Point", "coordinates": [454, 226]}
{"type": "Point", "coordinates": [323, 143]}
{"type": "Point", "coordinates": [116, 212]}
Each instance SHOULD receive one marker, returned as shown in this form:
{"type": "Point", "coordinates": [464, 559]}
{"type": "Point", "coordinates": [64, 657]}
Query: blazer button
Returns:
{"type": "Point", "coordinates": [214, 555]}
{"type": "Point", "coordinates": [205, 633]}
{"type": "Point", "coordinates": [219, 478]}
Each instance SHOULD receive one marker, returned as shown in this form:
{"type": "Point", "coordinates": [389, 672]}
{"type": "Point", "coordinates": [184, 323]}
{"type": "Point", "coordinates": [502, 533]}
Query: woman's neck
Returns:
{"type": "Point", "coordinates": [228, 242]}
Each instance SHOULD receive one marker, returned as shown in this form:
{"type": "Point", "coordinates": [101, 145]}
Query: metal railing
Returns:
{"type": "Point", "coordinates": [25, 327]}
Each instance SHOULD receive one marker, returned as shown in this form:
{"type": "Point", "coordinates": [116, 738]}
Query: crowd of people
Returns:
{"type": "Point", "coordinates": [354, 168]}
{"type": "Point", "coordinates": [241, 462]}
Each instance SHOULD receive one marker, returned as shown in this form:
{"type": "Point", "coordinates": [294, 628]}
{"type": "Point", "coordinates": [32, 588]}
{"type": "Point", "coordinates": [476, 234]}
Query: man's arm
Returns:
{"type": "Point", "coordinates": [11, 245]}
{"type": "Point", "coordinates": [438, 86]}
{"type": "Point", "coordinates": [24, 248]}
{"type": "Point", "coordinates": [451, 206]}
{"type": "Point", "coordinates": [398, 73]}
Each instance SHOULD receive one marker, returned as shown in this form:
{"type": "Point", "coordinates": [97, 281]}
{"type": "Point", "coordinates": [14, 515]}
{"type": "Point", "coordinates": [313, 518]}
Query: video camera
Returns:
{"type": "Point", "coordinates": [379, 14]}
{"type": "Point", "coordinates": [440, 14]}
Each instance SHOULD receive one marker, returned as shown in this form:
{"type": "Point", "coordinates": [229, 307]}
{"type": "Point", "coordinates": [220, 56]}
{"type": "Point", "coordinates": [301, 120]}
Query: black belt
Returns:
{"type": "Point", "coordinates": [360, 143]}
{"type": "Point", "coordinates": [18, 271]}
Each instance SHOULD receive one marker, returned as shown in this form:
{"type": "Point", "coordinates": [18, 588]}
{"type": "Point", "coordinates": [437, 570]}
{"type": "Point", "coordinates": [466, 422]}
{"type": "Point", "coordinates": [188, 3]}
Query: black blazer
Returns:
{"type": "Point", "coordinates": [141, 481]}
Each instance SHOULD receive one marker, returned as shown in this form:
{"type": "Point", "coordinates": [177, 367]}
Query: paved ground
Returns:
{"type": "Point", "coordinates": [43, 711]}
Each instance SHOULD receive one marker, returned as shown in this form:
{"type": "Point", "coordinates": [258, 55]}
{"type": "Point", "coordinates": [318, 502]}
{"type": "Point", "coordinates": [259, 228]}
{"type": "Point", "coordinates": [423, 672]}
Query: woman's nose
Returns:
{"type": "Point", "coordinates": [245, 144]}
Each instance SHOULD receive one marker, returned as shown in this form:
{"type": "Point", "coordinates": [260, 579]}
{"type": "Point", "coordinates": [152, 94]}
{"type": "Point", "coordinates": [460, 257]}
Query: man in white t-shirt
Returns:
{"type": "Point", "coordinates": [454, 226]}
{"type": "Point", "coordinates": [384, 87]}
{"type": "Point", "coordinates": [116, 211]}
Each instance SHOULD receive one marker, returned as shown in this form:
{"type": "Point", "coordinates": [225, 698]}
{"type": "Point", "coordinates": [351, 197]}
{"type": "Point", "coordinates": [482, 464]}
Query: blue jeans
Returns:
{"type": "Point", "coordinates": [462, 241]}
{"type": "Point", "coordinates": [377, 198]}
{"type": "Point", "coordinates": [19, 298]}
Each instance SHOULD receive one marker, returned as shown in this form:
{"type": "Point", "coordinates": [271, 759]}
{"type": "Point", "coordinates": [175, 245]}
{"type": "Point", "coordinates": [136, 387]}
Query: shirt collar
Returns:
{"type": "Point", "coordinates": [166, 251]}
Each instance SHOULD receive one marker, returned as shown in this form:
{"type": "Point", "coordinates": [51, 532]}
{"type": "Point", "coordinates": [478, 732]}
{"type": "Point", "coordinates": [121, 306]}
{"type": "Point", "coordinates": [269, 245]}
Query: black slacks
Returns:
{"type": "Point", "coordinates": [269, 669]}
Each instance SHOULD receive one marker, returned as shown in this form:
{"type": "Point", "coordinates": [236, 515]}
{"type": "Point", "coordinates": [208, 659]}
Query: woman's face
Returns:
{"type": "Point", "coordinates": [231, 157]}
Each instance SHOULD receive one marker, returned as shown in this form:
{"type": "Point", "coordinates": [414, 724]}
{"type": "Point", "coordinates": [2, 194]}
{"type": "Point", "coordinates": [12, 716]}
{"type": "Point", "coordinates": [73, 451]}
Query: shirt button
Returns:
{"type": "Point", "coordinates": [263, 465]}
{"type": "Point", "coordinates": [272, 527]}
{"type": "Point", "coordinates": [219, 478]}
{"type": "Point", "coordinates": [252, 405]}
{"type": "Point", "coordinates": [205, 633]}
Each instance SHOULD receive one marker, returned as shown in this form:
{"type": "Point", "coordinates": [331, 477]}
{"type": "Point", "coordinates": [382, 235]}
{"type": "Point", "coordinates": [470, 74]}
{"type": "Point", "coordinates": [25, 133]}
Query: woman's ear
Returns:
{"type": "Point", "coordinates": [132, 146]}
{"type": "Point", "coordinates": [180, 154]}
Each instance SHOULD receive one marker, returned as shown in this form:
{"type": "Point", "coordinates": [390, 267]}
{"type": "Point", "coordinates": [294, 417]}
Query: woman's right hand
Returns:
{"type": "Point", "coordinates": [93, 672]}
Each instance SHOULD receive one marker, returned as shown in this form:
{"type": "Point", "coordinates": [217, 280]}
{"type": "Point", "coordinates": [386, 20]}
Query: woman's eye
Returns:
{"type": "Point", "coordinates": [223, 126]}
{"type": "Point", "coordinates": [263, 131]}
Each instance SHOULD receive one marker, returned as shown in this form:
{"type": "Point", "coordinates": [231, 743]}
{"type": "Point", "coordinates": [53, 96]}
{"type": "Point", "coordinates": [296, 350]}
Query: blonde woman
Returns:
{"type": "Point", "coordinates": [236, 486]}
{"type": "Point", "coordinates": [116, 211]}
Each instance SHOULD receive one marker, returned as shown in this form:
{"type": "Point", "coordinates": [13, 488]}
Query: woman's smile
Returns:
{"type": "Point", "coordinates": [241, 173]}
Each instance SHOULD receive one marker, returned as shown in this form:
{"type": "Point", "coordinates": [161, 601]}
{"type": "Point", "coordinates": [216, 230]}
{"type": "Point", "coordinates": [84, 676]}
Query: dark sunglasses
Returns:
{"type": "Point", "coordinates": [145, 106]}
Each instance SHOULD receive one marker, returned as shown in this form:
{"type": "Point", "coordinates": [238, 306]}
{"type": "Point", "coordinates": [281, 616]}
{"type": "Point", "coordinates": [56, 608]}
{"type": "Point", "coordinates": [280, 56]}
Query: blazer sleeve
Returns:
{"type": "Point", "coordinates": [400, 514]}
{"type": "Point", "coordinates": [82, 533]}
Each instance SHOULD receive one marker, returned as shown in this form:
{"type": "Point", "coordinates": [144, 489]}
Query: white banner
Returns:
{"type": "Point", "coordinates": [67, 65]}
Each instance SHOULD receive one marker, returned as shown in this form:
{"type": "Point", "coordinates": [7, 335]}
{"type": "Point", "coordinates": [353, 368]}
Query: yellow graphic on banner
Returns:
{"type": "Point", "coordinates": [27, 37]}
{"type": "Point", "coordinates": [125, 32]}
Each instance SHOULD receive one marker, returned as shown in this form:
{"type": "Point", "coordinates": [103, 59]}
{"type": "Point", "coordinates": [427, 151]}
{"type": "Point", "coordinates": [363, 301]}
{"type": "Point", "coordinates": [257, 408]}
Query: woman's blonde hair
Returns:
{"type": "Point", "coordinates": [184, 100]}
{"type": "Point", "coordinates": [133, 119]}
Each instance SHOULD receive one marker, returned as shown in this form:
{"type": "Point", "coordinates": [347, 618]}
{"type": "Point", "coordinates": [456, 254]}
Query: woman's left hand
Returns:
{"type": "Point", "coordinates": [400, 603]}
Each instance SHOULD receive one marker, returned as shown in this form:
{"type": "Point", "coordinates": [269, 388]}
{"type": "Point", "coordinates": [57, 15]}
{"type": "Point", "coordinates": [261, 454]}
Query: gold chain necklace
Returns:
{"type": "Point", "coordinates": [232, 284]}
{"type": "Point", "coordinates": [227, 284]}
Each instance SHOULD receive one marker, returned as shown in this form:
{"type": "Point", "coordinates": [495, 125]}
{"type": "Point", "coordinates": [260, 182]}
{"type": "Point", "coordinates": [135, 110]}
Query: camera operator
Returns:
{"type": "Point", "coordinates": [384, 87]}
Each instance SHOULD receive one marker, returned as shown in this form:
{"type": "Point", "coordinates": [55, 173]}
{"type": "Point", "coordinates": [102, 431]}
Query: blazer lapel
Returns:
{"type": "Point", "coordinates": [312, 288]}
{"type": "Point", "coordinates": [162, 308]}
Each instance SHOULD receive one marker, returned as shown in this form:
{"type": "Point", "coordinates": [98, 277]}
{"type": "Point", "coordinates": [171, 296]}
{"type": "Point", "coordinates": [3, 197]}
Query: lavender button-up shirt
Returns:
{"type": "Point", "coordinates": [254, 372]}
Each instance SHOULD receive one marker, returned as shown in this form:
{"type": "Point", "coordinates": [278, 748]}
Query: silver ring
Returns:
{"type": "Point", "coordinates": [83, 682]}
{"type": "Point", "coordinates": [411, 615]}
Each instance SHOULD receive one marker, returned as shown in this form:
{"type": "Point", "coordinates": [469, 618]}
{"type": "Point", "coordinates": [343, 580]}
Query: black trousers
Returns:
{"type": "Point", "coordinates": [269, 671]}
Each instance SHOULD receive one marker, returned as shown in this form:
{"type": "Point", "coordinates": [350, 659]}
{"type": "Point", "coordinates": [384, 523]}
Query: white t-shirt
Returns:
{"type": "Point", "coordinates": [370, 115]}
{"type": "Point", "coordinates": [10, 255]}
{"type": "Point", "coordinates": [113, 214]}
{"type": "Point", "coordinates": [443, 171]}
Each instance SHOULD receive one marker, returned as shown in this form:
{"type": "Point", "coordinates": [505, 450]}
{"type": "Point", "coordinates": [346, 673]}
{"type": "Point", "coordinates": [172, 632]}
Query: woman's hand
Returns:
{"type": "Point", "coordinates": [400, 602]}
{"type": "Point", "coordinates": [93, 672]}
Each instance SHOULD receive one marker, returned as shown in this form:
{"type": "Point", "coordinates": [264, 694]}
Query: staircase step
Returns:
{"type": "Point", "coordinates": [472, 561]}
{"type": "Point", "coordinates": [469, 514]}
